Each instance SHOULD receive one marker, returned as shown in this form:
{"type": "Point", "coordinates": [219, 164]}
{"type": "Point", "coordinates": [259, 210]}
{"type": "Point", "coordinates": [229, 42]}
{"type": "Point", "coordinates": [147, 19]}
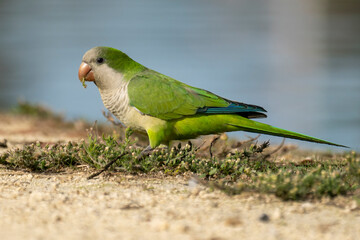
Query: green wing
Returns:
{"type": "Point", "coordinates": [163, 97]}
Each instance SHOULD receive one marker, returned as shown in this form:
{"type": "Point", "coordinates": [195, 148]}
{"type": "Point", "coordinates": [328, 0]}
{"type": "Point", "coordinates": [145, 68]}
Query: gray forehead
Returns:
{"type": "Point", "coordinates": [91, 54]}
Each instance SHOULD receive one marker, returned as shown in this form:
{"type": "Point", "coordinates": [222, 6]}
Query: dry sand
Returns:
{"type": "Point", "coordinates": [68, 206]}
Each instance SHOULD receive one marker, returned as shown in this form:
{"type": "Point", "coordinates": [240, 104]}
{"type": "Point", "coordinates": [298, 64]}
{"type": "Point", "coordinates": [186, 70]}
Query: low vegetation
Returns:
{"type": "Point", "coordinates": [245, 169]}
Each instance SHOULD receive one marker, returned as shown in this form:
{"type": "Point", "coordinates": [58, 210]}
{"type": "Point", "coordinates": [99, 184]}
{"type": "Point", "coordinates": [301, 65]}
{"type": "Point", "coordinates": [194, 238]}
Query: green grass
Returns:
{"type": "Point", "coordinates": [247, 169]}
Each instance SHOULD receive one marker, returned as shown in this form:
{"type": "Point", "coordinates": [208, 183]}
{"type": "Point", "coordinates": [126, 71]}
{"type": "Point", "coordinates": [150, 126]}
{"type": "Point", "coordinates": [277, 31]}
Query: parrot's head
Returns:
{"type": "Point", "coordinates": [106, 67]}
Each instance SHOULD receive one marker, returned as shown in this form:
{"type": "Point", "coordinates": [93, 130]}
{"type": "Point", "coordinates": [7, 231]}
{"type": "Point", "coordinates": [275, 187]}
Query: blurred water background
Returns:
{"type": "Point", "coordinates": [300, 60]}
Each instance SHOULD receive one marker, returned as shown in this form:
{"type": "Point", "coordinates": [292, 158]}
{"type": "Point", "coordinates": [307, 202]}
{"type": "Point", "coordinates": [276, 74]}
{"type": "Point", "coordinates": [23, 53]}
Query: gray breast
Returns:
{"type": "Point", "coordinates": [117, 102]}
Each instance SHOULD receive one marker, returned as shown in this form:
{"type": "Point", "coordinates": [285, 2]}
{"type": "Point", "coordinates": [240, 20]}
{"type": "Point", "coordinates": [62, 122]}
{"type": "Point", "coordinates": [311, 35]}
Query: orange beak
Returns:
{"type": "Point", "coordinates": [85, 72]}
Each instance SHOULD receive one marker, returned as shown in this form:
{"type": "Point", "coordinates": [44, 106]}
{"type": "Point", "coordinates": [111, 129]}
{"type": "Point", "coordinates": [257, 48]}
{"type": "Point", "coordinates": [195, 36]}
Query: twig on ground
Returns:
{"type": "Point", "coordinates": [250, 139]}
{"type": "Point", "coordinates": [95, 129]}
{"type": "Point", "coordinates": [212, 143]}
{"type": "Point", "coordinates": [200, 145]}
{"type": "Point", "coordinates": [110, 118]}
{"type": "Point", "coordinates": [106, 166]}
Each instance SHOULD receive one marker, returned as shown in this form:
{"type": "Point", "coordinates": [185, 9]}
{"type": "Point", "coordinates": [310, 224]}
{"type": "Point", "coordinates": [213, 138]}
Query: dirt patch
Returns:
{"type": "Point", "coordinates": [118, 206]}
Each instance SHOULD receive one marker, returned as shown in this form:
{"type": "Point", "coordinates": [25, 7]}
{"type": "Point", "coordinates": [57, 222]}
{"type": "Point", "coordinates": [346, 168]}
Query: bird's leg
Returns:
{"type": "Point", "coordinates": [145, 152]}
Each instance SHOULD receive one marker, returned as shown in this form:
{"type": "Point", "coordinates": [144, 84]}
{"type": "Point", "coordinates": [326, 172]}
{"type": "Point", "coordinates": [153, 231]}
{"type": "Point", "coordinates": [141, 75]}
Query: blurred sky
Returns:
{"type": "Point", "coordinates": [300, 60]}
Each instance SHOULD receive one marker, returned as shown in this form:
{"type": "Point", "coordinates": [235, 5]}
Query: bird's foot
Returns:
{"type": "Point", "coordinates": [145, 152]}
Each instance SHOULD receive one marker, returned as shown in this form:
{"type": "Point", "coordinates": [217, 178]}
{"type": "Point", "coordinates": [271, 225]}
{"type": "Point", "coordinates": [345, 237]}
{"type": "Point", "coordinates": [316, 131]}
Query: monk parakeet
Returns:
{"type": "Point", "coordinates": [165, 108]}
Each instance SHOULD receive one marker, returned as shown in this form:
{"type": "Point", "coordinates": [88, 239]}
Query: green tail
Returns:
{"type": "Point", "coordinates": [257, 127]}
{"type": "Point", "coordinates": [192, 127]}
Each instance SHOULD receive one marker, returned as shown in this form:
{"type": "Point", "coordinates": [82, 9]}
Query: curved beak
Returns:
{"type": "Point", "coordinates": [85, 72]}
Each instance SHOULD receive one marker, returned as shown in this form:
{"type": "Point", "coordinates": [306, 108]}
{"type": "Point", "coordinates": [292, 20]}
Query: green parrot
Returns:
{"type": "Point", "coordinates": [165, 108]}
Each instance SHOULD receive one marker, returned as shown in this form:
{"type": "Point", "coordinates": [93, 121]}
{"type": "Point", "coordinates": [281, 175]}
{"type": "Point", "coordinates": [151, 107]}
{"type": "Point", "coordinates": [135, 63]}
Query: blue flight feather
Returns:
{"type": "Point", "coordinates": [232, 108]}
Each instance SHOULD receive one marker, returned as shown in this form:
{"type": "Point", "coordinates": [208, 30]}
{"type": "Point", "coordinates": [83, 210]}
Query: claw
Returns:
{"type": "Point", "coordinates": [145, 152]}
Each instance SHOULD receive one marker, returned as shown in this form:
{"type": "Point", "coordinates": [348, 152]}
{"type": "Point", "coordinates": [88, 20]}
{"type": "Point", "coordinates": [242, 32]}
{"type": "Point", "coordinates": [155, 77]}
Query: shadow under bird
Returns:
{"type": "Point", "coordinates": [167, 109]}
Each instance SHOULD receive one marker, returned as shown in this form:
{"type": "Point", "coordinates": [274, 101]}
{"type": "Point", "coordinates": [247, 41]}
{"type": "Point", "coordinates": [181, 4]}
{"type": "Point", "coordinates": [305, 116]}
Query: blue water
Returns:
{"type": "Point", "coordinates": [300, 61]}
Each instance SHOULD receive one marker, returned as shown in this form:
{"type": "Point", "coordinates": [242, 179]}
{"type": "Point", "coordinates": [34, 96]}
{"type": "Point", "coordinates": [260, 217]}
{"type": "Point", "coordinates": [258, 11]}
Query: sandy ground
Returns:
{"type": "Point", "coordinates": [67, 206]}
{"type": "Point", "coordinates": [120, 206]}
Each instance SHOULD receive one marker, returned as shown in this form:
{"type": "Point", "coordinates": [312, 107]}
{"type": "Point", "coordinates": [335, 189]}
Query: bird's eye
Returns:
{"type": "Point", "coordinates": [100, 60]}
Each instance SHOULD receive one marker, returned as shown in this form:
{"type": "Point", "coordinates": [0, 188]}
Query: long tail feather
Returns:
{"type": "Point", "coordinates": [257, 127]}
